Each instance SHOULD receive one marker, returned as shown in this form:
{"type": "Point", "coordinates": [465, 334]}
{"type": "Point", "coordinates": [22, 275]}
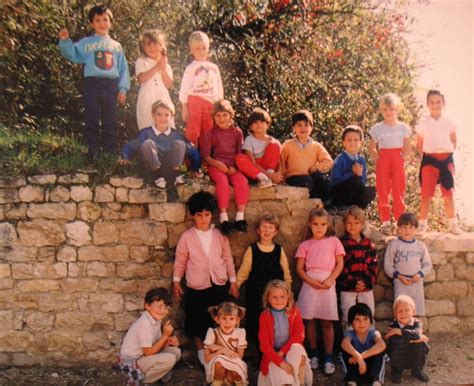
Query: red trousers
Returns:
{"type": "Point", "coordinates": [390, 178]}
{"type": "Point", "coordinates": [237, 180]}
{"type": "Point", "coordinates": [270, 160]}
{"type": "Point", "coordinates": [199, 119]}
{"type": "Point", "coordinates": [430, 178]}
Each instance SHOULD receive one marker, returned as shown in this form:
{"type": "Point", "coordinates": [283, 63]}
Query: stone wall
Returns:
{"type": "Point", "coordinates": [76, 260]}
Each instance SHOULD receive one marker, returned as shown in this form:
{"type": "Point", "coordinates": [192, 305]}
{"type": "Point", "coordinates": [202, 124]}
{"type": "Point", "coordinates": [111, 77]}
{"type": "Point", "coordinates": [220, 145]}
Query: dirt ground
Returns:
{"type": "Point", "coordinates": [450, 362]}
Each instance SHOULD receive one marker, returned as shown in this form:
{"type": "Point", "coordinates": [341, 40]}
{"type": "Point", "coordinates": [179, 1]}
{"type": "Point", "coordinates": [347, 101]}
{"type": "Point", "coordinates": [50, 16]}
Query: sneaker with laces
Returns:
{"type": "Point", "coordinates": [314, 363]}
{"type": "Point", "coordinates": [166, 378]}
{"type": "Point", "coordinates": [160, 183]}
{"type": "Point", "coordinates": [387, 229]}
{"type": "Point", "coordinates": [180, 180]}
{"type": "Point", "coordinates": [329, 368]}
{"type": "Point", "coordinates": [265, 183]}
{"type": "Point", "coordinates": [454, 229]}
{"type": "Point", "coordinates": [422, 229]}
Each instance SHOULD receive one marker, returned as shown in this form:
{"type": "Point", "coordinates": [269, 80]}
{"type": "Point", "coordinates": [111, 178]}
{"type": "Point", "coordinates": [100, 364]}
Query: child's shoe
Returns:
{"type": "Point", "coordinates": [422, 228]}
{"type": "Point", "coordinates": [227, 227]}
{"type": "Point", "coordinates": [265, 183]}
{"type": "Point", "coordinates": [160, 183]}
{"type": "Point", "coordinates": [329, 368]}
{"type": "Point", "coordinates": [396, 375]}
{"type": "Point", "coordinates": [180, 180]}
{"type": "Point", "coordinates": [168, 376]}
{"type": "Point", "coordinates": [420, 375]}
{"type": "Point", "coordinates": [314, 363]}
{"type": "Point", "coordinates": [387, 228]}
{"type": "Point", "coordinates": [241, 226]}
{"type": "Point", "coordinates": [454, 228]}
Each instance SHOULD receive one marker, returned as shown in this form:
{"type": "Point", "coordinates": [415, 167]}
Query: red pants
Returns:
{"type": "Point", "coordinates": [390, 177]}
{"type": "Point", "coordinates": [199, 120]}
{"type": "Point", "coordinates": [270, 160]}
{"type": "Point", "coordinates": [238, 181]}
{"type": "Point", "coordinates": [430, 177]}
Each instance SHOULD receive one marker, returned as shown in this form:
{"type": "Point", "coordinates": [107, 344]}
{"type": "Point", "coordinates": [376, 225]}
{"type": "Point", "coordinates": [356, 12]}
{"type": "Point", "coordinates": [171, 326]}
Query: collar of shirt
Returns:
{"type": "Point", "coordinates": [152, 320]}
{"type": "Point", "coordinates": [354, 157]}
{"type": "Point", "coordinates": [210, 229]}
{"type": "Point", "coordinates": [157, 132]}
{"type": "Point", "coordinates": [303, 145]}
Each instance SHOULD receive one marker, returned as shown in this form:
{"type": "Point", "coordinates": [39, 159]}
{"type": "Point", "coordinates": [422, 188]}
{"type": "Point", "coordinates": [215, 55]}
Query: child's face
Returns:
{"type": "Point", "coordinates": [389, 113]}
{"type": "Point", "coordinates": [319, 227]}
{"type": "Point", "coordinates": [407, 232]}
{"type": "Point", "coordinates": [101, 24]}
{"type": "Point", "coordinates": [404, 313]}
{"type": "Point", "coordinates": [158, 309]}
{"type": "Point", "coordinates": [277, 298]}
{"type": "Point", "coordinates": [266, 231]}
{"type": "Point", "coordinates": [302, 130]}
{"type": "Point", "coordinates": [152, 49]}
{"type": "Point", "coordinates": [202, 220]}
{"type": "Point", "coordinates": [223, 119]}
{"type": "Point", "coordinates": [162, 118]}
{"type": "Point", "coordinates": [435, 105]}
{"type": "Point", "coordinates": [361, 324]}
{"type": "Point", "coordinates": [227, 323]}
{"type": "Point", "coordinates": [199, 50]}
{"type": "Point", "coordinates": [259, 128]}
{"type": "Point", "coordinates": [352, 143]}
{"type": "Point", "coordinates": [353, 226]}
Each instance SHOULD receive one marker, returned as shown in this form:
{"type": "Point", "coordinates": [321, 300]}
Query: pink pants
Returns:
{"type": "Point", "coordinates": [390, 177]}
{"type": "Point", "coordinates": [199, 120]}
{"type": "Point", "coordinates": [270, 160]}
{"type": "Point", "coordinates": [238, 181]}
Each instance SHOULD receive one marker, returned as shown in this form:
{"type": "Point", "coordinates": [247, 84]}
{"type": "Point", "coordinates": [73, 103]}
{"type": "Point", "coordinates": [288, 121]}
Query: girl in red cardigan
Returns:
{"type": "Point", "coordinates": [281, 335]}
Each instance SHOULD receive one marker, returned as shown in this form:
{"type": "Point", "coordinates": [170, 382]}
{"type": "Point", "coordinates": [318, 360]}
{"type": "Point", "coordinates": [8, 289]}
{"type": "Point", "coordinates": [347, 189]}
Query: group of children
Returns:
{"type": "Point", "coordinates": [338, 276]}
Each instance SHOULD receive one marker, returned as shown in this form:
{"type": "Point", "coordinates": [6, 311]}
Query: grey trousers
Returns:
{"type": "Point", "coordinates": [154, 159]}
{"type": "Point", "coordinates": [157, 366]}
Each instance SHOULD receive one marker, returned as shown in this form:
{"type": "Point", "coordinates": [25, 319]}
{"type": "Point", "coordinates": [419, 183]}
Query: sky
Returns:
{"type": "Point", "coordinates": [442, 39]}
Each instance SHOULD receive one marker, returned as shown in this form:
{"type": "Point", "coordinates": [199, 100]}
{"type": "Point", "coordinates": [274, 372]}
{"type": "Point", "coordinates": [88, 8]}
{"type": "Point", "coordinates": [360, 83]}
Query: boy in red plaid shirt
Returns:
{"type": "Point", "coordinates": [360, 264]}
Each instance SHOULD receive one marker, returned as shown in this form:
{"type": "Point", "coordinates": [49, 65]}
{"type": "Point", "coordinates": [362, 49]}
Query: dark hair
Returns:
{"type": "Point", "coordinates": [434, 92]}
{"type": "Point", "coordinates": [320, 212]}
{"type": "Point", "coordinates": [353, 129]}
{"type": "Point", "coordinates": [359, 309]}
{"type": "Point", "coordinates": [302, 115]}
{"type": "Point", "coordinates": [407, 218]}
{"type": "Point", "coordinates": [158, 294]}
{"type": "Point", "coordinates": [222, 106]}
{"type": "Point", "coordinates": [258, 114]}
{"type": "Point", "coordinates": [202, 201]}
{"type": "Point", "coordinates": [99, 10]}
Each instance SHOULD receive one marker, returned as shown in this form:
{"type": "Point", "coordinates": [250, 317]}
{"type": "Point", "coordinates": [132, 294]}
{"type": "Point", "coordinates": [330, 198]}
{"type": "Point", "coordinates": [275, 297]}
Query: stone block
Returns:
{"type": "Point", "coordinates": [389, 294]}
{"type": "Point", "coordinates": [124, 320]}
{"type": "Point", "coordinates": [31, 193]}
{"type": "Point", "coordinates": [285, 192]}
{"type": "Point", "coordinates": [12, 182]}
{"type": "Point", "coordinates": [383, 311]}
{"type": "Point", "coordinates": [2, 213]}
{"type": "Point", "coordinates": [77, 233]}
{"type": "Point", "coordinates": [464, 272]}
{"type": "Point", "coordinates": [174, 234]}
{"type": "Point", "coordinates": [12, 341]}
{"type": "Point", "coordinates": [440, 290]}
{"type": "Point", "coordinates": [134, 303]}
{"type": "Point", "coordinates": [6, 320]}
{"type": "Point", "coordinates": [67, 254]}
{"type": "Point", "coordinates": [110, 214]}
{"type": "Point", "coordinates": [104, 193]}
{"type": "Point", "coordinates": [88, 211]}
{"type": "Point", "coordinates": [69, 179]}
{"type": "Point", "coordinates": [58, 194]}
{"type": "Point", "coordinates": [438, 258]}
{"type": "Point", "coordinates": [50, 271]}
{"type": "Point", "coordinates": [15, 211]}
{"type": "Point", "coordinates": [84, 321]}
{"type": "Point", "coordinates": [96, 340]}
{"type": "Point", "coordinates": [81, 193]}
{"type": "Point", "coordinates": [40, 321]}
{"type": "Point", "coordinates": [39, 233]}
{"type": "Point", "coordinates": [139, 253]}
{"type": "Point", "coordinates": [118, 253]}
{"type": "Point", "coordinates": [63, 211]}
{"type": "Point", "coordinates": [18, 254]}
{"type": "Point", "coordinates": [466, 307]}
{"type": "Point", "coordinates": [105, 302]}
{"type": "Point", "coordinates": [262, 194]}
{"type": "Point", "coordinates": [445, 272]}
{"type": "Point", "coordinates": [116, 285]}
{"type": "Point", "coordinates": [8, 196]}
{"type": "Point", "coordinates": [76, 269]}
{"type": "Point", "coordinates": [439, 307]}
{"type": "Point", "coordinates": [22, 271]}
{"type": "Point", "coordinates": [7, 234]}
{"type": "Point", "coordinates": [40, 285]}
{"type": "Point", "coordinates": [46, 254]}
{"type": "Point", "coordinates": [171, 212]}
{"type": "Point", "coordinates": [43, 179]}
{"type": "Point", "coordinates": [431, 277]}
{"type": "Point", "coordinates": [121, 194]}
{"type": "Point", "coordinates": [57, 301]}
{"type": "Point", "coordinates": [455, 243]}
{"type": "Point", "coordinates": [470, 258]}
{"type": "Point", "coordinates": [105, 233]}
{"type": "Point", "coordinates": [129, 212]}
{"type": "Point", "coordinates": [134, 270]}
{"type": "Point", "coordinates": [301, 208]}
{"type": "Point", "coordinates": [147, 195]}
{"type": "Point", "coordinates": [5, 271]}
{"type": "Point", "coordinates": [140, 232]}
{"type": "Point", "coordinates": [100, 269]}
{"type": "Point", "coordinates": [167, 270]}
{"type": "Point", "coordinates": [255, 209]}
{"type": "Point", "coordinates": [126, 182]}
{"type": "Point", "coordinates": [64, 342]}
{"type": "Point", "coordinates": [6, 283]}
{"type": "Point", "coordinates": [187, 190]}
{"type": "Point", "coordinates": [439, 323]}
{"type": "Point", "coordinates": [73, 285]}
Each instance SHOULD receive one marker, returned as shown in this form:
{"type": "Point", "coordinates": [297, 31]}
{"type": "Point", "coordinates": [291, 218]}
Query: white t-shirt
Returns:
{"type": "Point", "coordinates": [257, 146]}
{"type": "Point", "coordinates": [144, 332]}
{"type": "Point", "coordinates": [390, 137]}
{"type": "Point", "coordinates": [436, 134]}
{"type": "Point", "coordinates": [202, 79]}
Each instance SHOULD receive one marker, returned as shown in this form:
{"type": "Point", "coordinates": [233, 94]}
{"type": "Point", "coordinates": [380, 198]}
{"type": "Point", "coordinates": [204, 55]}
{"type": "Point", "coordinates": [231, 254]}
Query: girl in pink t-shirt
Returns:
{"type": "Point", "coordinates": [319, 261]}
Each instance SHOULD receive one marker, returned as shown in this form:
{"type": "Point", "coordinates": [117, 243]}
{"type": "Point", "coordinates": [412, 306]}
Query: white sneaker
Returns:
{"type": "Point", "coordinates": [265, 183]}
{"type": "Point", "coordinates": [422, 229]}
{"type": "Point", "coordinates": [329, 368]}
{"type": "Point", "coordinates": [387, 229]}
{"type": "Point", "coordinates": [455, 229]}
{"type": "Point", "coordinates": [160, 183]}
{"type": "Point", "coordinates": [314, 363]}
{"type": "Point", "coordinates": [180, 180]}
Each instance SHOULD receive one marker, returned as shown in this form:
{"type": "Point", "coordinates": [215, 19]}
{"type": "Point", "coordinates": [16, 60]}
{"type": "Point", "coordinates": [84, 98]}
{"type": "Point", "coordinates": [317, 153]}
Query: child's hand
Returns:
{"type": "Point", "coordinates": [287, 367]}
{"type": "Point", "coordinates": [405, 280]}
{"type": "Point", "coordinates": [276, 177]}
{"type": "Point", "coordinates": [280, 354]}
{"type": "Point", "coordinates": [185, 113]}
{"type": "Point", "coordinates": [230, 354]}
{"type": "Point", "coordinates": [423, 339]}
{"type": "Point", "coordinates": [121, 98]}
{"type": "Point", "coordinates": [328, 283]}
{"type": "Point", "coordinates": [63, 33]}
{"type": "Point", "coordinates": [313, 169]}
{"type": "Point", "coordinates": [416, 278]}
{"type": "Point", "coordinates": [222, 167]}
{"type": "Point", "coordinates": [177, 290]}
{"type": "Point", "coordinates": [123, 162]}
{"type": "Point", "coordinates": [362, 365]}
{"type": "Point", "coordinates": [358, 169]}
{"type": "Point", "coordinates": [234, 291]}
{"type": "Point", "coordinates": [393, 331]}
{"type": "Point", "coordinates": [231, 171]}
{"type": "Point", "coordinates": [172, 341]}
{"type": "Point", "coordinates": [360, 286]}
{"type": "Point", "coordinates": [316, 284]}
{"type": "Point", "coordinates": [168, 328]}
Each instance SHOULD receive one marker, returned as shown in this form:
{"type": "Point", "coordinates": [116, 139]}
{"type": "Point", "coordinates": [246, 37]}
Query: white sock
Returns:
{"type": "Point", "coordinates": [201, 356]}
{"type": "Point", "coordinates": [222, 217]}
{"type": "Point", "coordinates": [271, 171]}
{"type": "Point", "coordinates": [262, 176]}
{"type": "Point", "coordinates": [239, 216]}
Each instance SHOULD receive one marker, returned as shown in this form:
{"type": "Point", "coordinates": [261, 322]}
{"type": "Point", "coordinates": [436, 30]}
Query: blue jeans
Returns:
{"type": "Point", "coordinates": [100, 103]}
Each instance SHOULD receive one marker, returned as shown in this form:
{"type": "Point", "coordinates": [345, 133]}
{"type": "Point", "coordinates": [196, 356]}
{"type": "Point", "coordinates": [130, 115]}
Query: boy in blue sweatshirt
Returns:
{"type": "Point", "coordinates": [349, 173]}
{"type": "Point", "coordinates": [106, 78]}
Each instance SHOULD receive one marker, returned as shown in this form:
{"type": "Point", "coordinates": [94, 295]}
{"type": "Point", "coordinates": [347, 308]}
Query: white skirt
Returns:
{"type": "Point", "coordinates": [236, 364]}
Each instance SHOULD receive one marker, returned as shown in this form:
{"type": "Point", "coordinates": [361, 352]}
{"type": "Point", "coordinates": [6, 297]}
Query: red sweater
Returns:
{"type": "Point", "coordinates": [266, 337]}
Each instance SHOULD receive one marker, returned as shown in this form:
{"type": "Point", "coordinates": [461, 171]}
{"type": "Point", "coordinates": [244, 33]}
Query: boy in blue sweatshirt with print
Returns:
{"type": "Point", "coordinates": [349, 173]}
{"type": "Point", "coordinates": [106, 78]}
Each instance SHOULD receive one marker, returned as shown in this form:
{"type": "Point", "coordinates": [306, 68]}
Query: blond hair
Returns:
{"type": "Point", "coordinates": [278, 284]}
{"type": "Point", "coordinates": [404, 299]}
{"type": "Point", "coordinates": [199, 36]}
{"type": "Point", "coordinates": [227, 308]}
{"type": "Point", "coordinates": [269, 218]}
{"type": "Point", "coordinates": [355, 212]}
{"type": "Point", "coordinates": [390, 100]}
{"type": "Point", "coordinates": [162, 104]}
{"type": "Point", "coordinates": [152, 35]}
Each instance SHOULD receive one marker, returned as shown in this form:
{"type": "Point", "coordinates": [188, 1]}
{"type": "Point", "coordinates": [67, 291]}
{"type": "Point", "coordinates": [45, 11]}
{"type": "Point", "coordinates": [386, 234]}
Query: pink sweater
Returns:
{"type": "Point", "coordinates": [200, 269]}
